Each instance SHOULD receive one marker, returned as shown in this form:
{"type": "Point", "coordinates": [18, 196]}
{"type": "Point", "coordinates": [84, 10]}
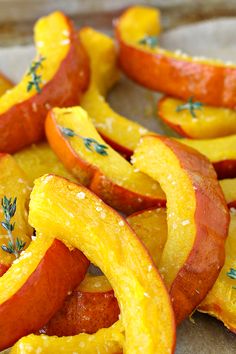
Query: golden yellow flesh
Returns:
{"type": "Point", "coordinates": [105, 238]}
{"type": "Point", "coordinates": [211, 122]}
{"type": "Point", "coordinates": [153, 157]}
{"type": "Point", "coordinates": [14, 184]}
{"type": "Point", "coordinates": [140, 21]}
{"type": "Point", "coordinates": [105, 341]}
{"type": "Point", "coordinates": [113, 166]}
{"type": "Point", "coordinates": [37, 160]}
{"type": "Point", "coordinates": [104, 74]}
{"type": "Point", "coordinates": [229, 189]}
{"type": "Point", "coordinates": [23, 267]}
{"type": "Point", "coordinates": [216, 150]}
{"type": "Point", "coordinates": [52, 42]}
{"type": "Point", "coordinates": [94, 284]}
{"type": "Point", "coordinates": [151, 227]}
{"type": "Point", "coordinates": [223, 295]}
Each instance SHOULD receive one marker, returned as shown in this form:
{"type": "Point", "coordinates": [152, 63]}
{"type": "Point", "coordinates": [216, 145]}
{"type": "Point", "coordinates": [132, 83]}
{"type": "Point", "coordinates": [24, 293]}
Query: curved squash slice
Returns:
{"type": "Point", "coordinates": [209, 81]}
{"type": "Point", "coordinates": [229, 189]}
{"type": "Point", "coordinates": [56, 77]}
{"type": "Point", "coordinates": [221, 300]}
{"type": "Point", "coordinates": [39, 159]}
{"type": "Point", "coordinates": [104, 74]}
{"type": "Point", "coordinates": [220, 151]}
{"type": "Point", "coordinates": [35, 286]}
{"type": "Point", "coordinates": [205, 122]}
{"type": "Point", "coordinates": [90, 307]}
{"type": "Point", "coordinates": [107, 240]}
{"type": "Point", "coordinates": [197, 216]}
{"type": "Point", "coordinates": [105, 172]}
{"type": "Point", "coordinates": [106, 340]}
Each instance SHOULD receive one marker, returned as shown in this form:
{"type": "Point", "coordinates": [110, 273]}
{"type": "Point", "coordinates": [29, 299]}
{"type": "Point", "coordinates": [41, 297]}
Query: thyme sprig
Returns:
{"type": "Point", "coordinates": [9, 209]}
{"type": "Point", "coordinates": [151, 41]}
{"type": "Point", "coordinates": [191, 106]}
{"type": "Point", "coordinates": [90, 143]}
{"type": "Point", "coordinates": [36, 79]}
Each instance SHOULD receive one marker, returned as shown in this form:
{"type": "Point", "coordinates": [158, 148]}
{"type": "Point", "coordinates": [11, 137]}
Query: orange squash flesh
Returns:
{"type": "Point", "coordinates": [111, 177]}
{"type": "Point", "coordinates": [151, 228]}
{"type": "Point", "coordinates": [64, 75]}
{"type": "Point", "coordinates": [37, 160]}
{"type": "Point", "coordinates": [220, 301]}
{"type": "Point", "coordinates": [90, 307]}
{"type": "Point", "coordinates": [13, 183]}
{"type": "Point", "coordinates": [210, 122]}
{"type": "Point", "coordinates": [209, 81]}
{"type": "Point", "coordinates": [106, 340]}
{"type": "Point", "coordinates": [220, 151]}
{"type": "Point", "coordinates": [104, 74]}
{"type": "Point", "coordinates": [229, 189]}
{"type": "Point", "coordinates": [5, 84]}
{"type": "Point", "coordinates": [112, 245]}
{"type": "Point", "coordinates": [35, 286]}
{"type": "Point", "coordinates": [197, 218]}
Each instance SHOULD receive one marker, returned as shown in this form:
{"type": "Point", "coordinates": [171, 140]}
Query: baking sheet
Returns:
{"type": "Point", "coordinates": [215, 38]}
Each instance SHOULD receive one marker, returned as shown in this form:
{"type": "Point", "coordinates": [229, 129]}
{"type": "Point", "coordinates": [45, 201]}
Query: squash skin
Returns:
{"type": "Point", "coordinates": [209, 81]}
{"type": "Point", "coordinates": [118, 195]}
{"type": "Point", "coordinates": [109, 233]}
{"type": "Point", "coordinates": [64, 89]}
{"type": "Point", "coordinates": [205, 254]}
{"type": "Point", "coordinates": [86, 310]}
{"type": "Point", "coordinates": [31, 306]}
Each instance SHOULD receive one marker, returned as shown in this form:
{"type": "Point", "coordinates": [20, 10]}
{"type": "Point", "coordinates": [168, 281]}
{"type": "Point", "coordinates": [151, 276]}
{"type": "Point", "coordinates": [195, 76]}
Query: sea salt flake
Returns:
{"type": "Point", "coordinates": [80, 195]}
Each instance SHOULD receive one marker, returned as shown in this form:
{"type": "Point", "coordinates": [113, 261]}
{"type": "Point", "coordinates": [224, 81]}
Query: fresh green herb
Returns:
{"type": "Point", "coordinates": [36, 79]}
{"type": "Point", "coordinates": [9, 209]}
{"type": "Point", "coordinates": [232, 274]}
{"type": "Point", "coordinates": [90, 143]}
{"type": "Point", "coordinates": [191, 106]}
{"type": "Point", "coordinates": [151, 41]}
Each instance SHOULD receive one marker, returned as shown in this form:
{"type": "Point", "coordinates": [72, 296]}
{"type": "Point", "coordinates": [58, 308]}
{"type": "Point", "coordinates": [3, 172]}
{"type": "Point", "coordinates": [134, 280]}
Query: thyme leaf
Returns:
{"type": "Point", "coordinates": [35, 79]}
{"type": "Point", "coordinates": [151, 41]}
{"type": "Point", "coordinates": [9, 209]}
{"type": "Point", "coordinates": [191, 106]}
{"type": "Point", "coordinates": [232, 274]}
{"type": "Point", "coordinates": [90, 143]}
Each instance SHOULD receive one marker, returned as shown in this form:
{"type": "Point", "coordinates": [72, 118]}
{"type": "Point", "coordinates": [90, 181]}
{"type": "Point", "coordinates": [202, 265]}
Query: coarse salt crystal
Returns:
{"type": "Point", "coordinates": [80, 195]}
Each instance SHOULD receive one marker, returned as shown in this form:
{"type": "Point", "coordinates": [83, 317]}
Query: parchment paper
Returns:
{"type": "Point", "coordinates": [215, 38]}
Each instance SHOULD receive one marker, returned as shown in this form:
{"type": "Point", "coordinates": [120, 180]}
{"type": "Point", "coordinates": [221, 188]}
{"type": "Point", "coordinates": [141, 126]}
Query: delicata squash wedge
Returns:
{"type": "Point", "coordinates": [13, 184]}
{"type": "Point", "coordinates": [197, 217]}
{"type": "Point", "coordinates": [90, 307]}
{"type": "Point", "coordinates": [106, 340]}
{"type": "Point", "coordinates": [56, 77]}
{"type": "Point", "coordinates": [76, 142]}
{"type": "Point", "coordinates": [81, 219]}
{"type": "Point", "coordinates": [220, 301]}
{"type": "Point", "coordinates": [36, 285]}
{"type": "Point", "coordinates": [229, 189]}
{"type": "Point", "coordinates": [220, 151]}
{"type": "Point", "coordinates": [194, 120]}
{"type": "Point", "coordinates": [104, 74]}
{"type": "Point", "coordinates": [43, 160]}
{"type": "Point", "coordinates": [210, 81]}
